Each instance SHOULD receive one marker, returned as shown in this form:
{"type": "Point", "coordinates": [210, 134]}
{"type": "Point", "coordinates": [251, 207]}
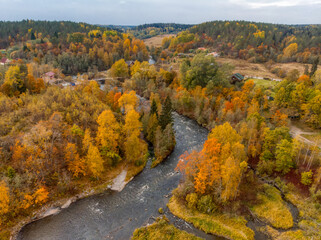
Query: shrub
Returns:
{"type": "Point", "coordinates": [205, 204]}
{"type": "Point", "coordinates": [191, 200]}
{"type": "Point", "coordinates": [306, 178]}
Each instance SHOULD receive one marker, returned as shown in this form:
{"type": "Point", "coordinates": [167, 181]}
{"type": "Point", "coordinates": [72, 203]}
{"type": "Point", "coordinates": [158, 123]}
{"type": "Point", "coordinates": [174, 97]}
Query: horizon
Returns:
{"type": "Point", "coordinates": [138, 12]}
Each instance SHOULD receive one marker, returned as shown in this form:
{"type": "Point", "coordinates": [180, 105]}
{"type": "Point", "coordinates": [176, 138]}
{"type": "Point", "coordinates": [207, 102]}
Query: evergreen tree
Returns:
{"type": "Point", "coordinates": [153, 108]}
{"type": "Point", "coordinates": [166, 115]}
{"type": "Point", "coordinates": [32, 37]}
{"type": "Point", "coordinates": [314, 67]}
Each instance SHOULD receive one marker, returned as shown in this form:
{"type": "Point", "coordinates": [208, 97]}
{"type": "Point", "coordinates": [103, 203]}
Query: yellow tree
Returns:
{"type": "Point", "coordinates": [135, 148]}
{"type": "Point", "coordinates": [108, 131]}
{"type": "Point", "coordinates": [95, 162]}
{"type": "Point", "coordinates": [128, 101]}
{"type": "Point", "coordinates": [76, 165]}
{"type": "Point", "coordinates": [87, 140]}
{"type": "Point", "coordinates": [4, 198]}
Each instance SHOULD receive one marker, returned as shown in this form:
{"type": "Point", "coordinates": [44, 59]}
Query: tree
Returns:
{"type": "Point", "coordinates": [94, 161]}
{"type": "Point", "coordinates": [14, 80]}
{"type": "Point", "coordinates": [128, 101]}
{"type": "Point", "coordinates": [75, 164]}
{"type": "Point", "coordinates": [314, 67]}
{"type": "Point", "coordinates": [119, 69]}
{"type": "Point", "coordinates": [203, 69]}
{"type": "Point", "coordinates": [219, 166]}
{"type": "Point", "coordinates": [166, 115]}
{"type": "Point", "coordinates": [108, 135]}
{"type": "Point", "coordinates": [306, 178]}
{"type": "Point", "coordinates": [284, 156]}
{"type": "Point", "coordinates": [4, 198]}
{"type": "Point", "coordinates": [290, 50]}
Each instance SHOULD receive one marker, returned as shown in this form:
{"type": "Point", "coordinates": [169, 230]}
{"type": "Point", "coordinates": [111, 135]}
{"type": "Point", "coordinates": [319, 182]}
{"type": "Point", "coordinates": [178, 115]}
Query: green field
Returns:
{"type": "Point", "coordinates": [264, 83]}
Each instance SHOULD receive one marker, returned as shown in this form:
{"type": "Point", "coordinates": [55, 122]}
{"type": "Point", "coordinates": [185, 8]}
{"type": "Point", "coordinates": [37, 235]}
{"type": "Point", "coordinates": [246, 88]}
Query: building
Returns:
{"type": "Point", "coordinates": [237, 77]}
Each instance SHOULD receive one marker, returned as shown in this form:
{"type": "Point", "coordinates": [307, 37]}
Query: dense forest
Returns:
{"type": "Point", "coordinates": [71, 47]}
{"type": "Point", "coordinates": [255, 42]}
{"type": "Point", "coordinates": [154, 29]}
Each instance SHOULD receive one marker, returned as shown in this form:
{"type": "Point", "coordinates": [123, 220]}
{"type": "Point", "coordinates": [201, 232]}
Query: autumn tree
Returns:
{"type": "Point", "coordinates": [4, 198]}
{"type": "Point", "coordinates": [108, 135]}
{"type": "Point", "coordinates": [75, 164]}
{"type": "Point", "coordinates": [119, 69]}
{"type": "Point", "coordinates": [128, 101]}
{"type": "Point", "coordinates": [94, 161]}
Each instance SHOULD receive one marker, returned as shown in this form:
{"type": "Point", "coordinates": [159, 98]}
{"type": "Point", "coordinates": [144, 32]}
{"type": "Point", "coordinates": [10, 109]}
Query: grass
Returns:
{"type": "Point", "coordinates": [161, 230]}
{"type": "Point", "coordinates": [231, 227]}
{"type": "Point", "coordinates": [157, 40]}
{"type": "Point", "coordinates": [264, 83]}
{"type": "Point", "coordinates": [310, 214]}
{"type": "Point", "coordinates": [273, 209]}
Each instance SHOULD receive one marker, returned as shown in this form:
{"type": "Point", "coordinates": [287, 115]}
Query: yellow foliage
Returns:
{"type": "Point", "coordinates": [128, 101]}
{"type": "Point", "coordinates": [4, 198]}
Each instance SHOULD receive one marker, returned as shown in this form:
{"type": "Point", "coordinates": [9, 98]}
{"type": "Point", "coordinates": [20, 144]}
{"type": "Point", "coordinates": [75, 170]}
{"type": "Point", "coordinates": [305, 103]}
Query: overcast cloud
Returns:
{"type": "Point", "coordinates": [134, 12]}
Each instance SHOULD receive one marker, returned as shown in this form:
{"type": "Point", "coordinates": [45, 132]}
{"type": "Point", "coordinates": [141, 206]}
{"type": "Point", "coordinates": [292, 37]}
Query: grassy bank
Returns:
{"type": "Point", "coordinates": [273, 209]}
{"type": "Point", "coordinates": [161, 230]}
{"type": "Point", "coordinates": [231, 227]}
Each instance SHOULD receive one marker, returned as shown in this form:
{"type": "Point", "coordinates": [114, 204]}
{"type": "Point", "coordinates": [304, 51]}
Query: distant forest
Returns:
{"type": "Point", "coordinates": [150, 30]}
{"type": "Point", "coordinates": [72, 47]}
{"type": "Point", "coordinates": [256, 42]}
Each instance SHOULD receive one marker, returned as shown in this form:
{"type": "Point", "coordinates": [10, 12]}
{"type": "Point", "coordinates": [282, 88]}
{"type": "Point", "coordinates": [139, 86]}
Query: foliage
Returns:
{"type": "Point", "coordinates": [231, 227]}
{"type": "Point", "coordinates": [162, 230]}
{"type": "Point", "coordinates": [307, 177]}
{"type": "Point", "coordinates": [272, 208]}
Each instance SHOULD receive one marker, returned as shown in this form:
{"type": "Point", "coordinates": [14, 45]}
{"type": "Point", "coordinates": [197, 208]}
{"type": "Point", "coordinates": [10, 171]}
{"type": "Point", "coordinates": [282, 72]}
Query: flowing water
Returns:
{"type": "Point", "coordinates": [115, 215]}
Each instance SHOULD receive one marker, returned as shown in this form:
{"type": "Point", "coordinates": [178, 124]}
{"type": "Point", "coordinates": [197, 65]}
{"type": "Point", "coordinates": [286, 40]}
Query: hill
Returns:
{"type": "Point", "coordinates": [256, 42]}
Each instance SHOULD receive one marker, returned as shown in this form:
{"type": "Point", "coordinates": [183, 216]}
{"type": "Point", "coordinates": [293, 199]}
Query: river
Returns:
{"type": "Point", "coordinates": [115, 215]}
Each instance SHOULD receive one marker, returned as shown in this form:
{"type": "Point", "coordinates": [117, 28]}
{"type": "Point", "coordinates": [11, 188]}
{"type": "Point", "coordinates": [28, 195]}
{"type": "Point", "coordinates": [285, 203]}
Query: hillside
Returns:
{"type": "Point", "coordinates": [255, 42]}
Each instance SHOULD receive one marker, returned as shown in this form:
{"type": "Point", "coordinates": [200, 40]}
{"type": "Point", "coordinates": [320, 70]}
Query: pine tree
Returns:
{"type": "Point", "coordinates": [166, 115]}
{"type": "Point", "coordinates": [314, 67]}
{"type": "Point", "coordinates": [153, 108]}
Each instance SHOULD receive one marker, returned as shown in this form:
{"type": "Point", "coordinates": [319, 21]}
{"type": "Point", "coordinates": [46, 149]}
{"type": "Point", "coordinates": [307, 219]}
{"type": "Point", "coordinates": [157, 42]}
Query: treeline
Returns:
{"type": "Point", "coordinates": [154, 29]}
{"type": "Point", "coordinates": [255, 42]}
{"type": "Point", "coordinates": [89, 49]}
{"type": "Point", "coordinates": [20, 31]}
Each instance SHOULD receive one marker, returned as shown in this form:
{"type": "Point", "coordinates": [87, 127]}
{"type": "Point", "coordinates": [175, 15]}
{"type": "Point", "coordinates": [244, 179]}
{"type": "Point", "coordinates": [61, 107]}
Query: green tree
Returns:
{"type": "Point", "coordinates": [166, 115]}
{"type": "Point", "coordinates": [119, 69]}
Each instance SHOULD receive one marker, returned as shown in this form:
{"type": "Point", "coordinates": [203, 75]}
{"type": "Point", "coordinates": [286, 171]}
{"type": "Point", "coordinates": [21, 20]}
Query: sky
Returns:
{"type": "Point", "coordinates": [135, 12]}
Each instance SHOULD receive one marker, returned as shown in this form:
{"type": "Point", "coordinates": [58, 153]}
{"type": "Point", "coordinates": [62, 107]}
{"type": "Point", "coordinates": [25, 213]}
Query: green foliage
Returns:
{"type": "Point", "coordinates": [11, 172]}
{"type": "Point", "coordinates": [166, 115]}
{"type": "Point", "coordinates": [206, 205]}
{"type": "Point", "coordinates": [306, 178]}
{"type": "Point", "coordinates": [230, 227]}
{"type": "Point", "coordinates": [202, 71]}
{"type": "Point", "coordinates": [161, 230]}
{"type": "Point", "coordinates": [272, 208]}
{"type": "Point", "coordinates": [192, 200]}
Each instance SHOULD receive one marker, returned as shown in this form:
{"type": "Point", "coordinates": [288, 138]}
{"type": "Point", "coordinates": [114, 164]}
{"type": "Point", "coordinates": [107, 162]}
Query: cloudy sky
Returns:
{"type": "Point", "coordinates": [134, 12]}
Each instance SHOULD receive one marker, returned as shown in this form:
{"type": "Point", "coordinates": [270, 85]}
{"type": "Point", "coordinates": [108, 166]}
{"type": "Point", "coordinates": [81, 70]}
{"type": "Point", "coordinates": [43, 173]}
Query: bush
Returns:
{"type": "Point", "coordinates": [306, 178]}
{"type": "Point", "coordinates": [205, 204]}
{"type": "Point", "coordinates": [191, 200]}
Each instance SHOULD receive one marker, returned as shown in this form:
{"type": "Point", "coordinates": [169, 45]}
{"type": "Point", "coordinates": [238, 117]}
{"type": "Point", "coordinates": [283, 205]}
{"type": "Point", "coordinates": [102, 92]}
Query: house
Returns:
{"type": "Point", "coordinates": [237, 77]}
{"type": "Point", "coordinates": [4, 61]}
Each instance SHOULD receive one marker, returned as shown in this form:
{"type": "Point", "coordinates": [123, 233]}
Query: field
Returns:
{"type": "Point", "coordinates": [157, 40]}
{"type": "Point", "coordinates": [263, 83]}
{"type": "Point", "coordinates": [259, 69]}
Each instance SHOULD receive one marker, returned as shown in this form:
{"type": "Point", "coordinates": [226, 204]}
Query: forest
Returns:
{"type": "Point", "coordinates": [255, 42]}
{"type": "Point", "coordinates": [59, 141]}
